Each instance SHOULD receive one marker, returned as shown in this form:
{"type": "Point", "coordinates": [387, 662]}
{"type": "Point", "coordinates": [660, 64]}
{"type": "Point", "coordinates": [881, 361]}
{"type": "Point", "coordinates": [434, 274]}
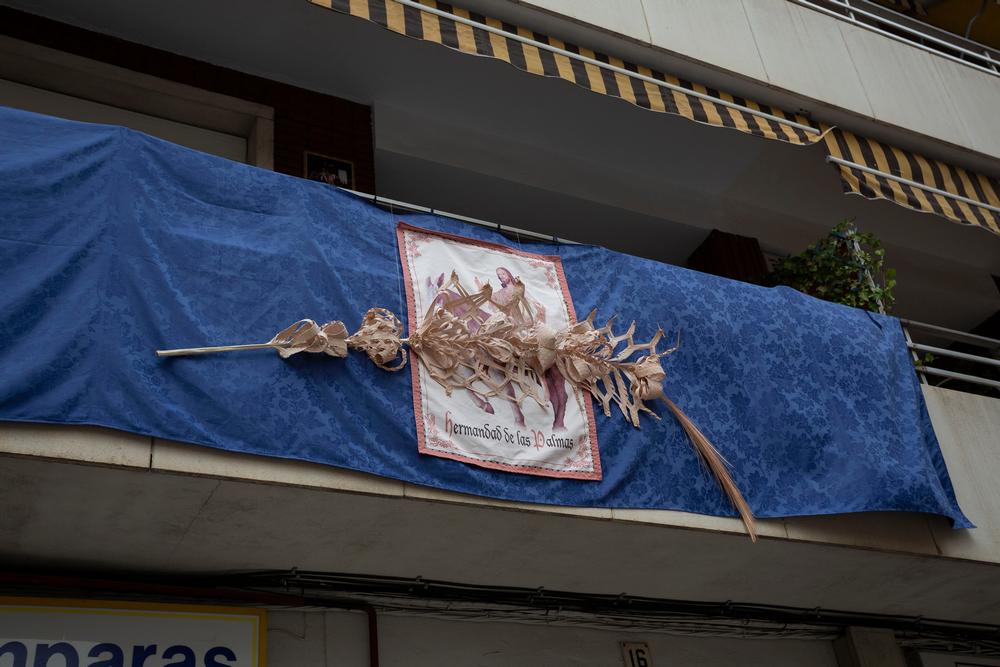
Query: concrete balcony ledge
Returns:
{"type": "Point", "coordinates": [104, 447]}
{"type": "Point", "coordinates": [956, 416]}
{"type": "Point", "coordinates": [85, 497]}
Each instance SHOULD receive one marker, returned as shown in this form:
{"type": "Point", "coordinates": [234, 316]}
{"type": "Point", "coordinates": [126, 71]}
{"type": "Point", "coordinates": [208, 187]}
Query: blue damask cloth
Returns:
{"type": "Point", "coordinates": [114, 244]}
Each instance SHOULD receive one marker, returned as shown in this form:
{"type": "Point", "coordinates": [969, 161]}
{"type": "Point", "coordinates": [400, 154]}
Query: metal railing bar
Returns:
{"type": "Point", "coordinates": [994, 64]}
{"type": "Point", "coordinates": [911, 42]}
{"type": "Point", "coordinates": [952, 353]}
{"type": "Point", "coordinates": [414, 208]}
{"type": "Point", "coordinates": [922, 28]}
{"type": "Point", "coordinates": [922, 34]}
{"type": "Point", "coordinates": [606, 66]}
{"type": "Point", "coordinates": [961, 376]}
{"type": "Point", "coordinates": [923, 371]}
{"type": "Point", "coordinates": [916, 359]}
{"type": "Point", "coordinates": [982, 341]}
{"type": "Point", "coordinates": [418, 208]}
{"type": "Point", "coordinates": [915, 184]}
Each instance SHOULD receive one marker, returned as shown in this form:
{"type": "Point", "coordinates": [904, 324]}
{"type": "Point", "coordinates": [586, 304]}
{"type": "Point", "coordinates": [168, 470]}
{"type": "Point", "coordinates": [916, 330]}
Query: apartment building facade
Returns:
{"type": "Point", "coordinates": [638, 125]}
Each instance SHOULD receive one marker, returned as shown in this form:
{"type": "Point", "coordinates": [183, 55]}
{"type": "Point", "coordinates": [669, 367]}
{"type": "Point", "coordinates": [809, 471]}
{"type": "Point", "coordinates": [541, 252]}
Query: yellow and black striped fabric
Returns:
{"type": "Point", "coordinates": [911, 166]}
{"type": "Point", "coordinates": [423, 25]}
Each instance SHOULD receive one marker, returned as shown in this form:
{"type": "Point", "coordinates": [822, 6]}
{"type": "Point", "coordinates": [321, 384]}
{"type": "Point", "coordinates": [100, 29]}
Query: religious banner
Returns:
{"type": "Point", "coordinates": [761, 396]}
{"type": "Point", "coordinates": [492, 421]}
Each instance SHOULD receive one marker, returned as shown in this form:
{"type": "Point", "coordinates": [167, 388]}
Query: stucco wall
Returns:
{"type": "Point", "coordinates": [968, 427]}
{"type": "Point", "coordinates": [340, 639]}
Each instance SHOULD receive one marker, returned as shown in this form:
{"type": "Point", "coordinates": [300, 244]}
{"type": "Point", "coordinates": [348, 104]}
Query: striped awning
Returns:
{"type": "Point", "coordinates": [540, 54]}
{"type": "Point", "coordinates": [880, 171]}
{"type": "Point", "coordinates": [867, 167]}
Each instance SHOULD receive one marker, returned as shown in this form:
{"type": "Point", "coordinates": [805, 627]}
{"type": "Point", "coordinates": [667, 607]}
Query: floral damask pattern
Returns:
{"type": "Point", "coordinates": [114, 244]}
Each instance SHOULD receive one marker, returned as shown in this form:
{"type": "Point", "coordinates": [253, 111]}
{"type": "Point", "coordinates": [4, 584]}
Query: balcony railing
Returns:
{"type": "Point", "coordinates": [988, 376]}
{"type": "Point", "coordinates": [914, 32]}
{"type": "Point", "coordinates": [982, 370]}
{"type": "Point", "coordinates": [508, 231]}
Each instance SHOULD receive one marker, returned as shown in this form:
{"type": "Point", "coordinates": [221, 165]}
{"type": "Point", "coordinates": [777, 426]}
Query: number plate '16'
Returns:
{"type": "Point", "coordinates": [636, 655]}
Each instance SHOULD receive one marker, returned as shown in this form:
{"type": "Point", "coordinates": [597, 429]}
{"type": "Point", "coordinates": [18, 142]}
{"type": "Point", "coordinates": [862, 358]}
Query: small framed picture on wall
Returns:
{"type": "Point", "coordinates": [331, 170]}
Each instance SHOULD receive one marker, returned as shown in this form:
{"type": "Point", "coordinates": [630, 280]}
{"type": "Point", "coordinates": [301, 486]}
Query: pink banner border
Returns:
{"type": "Point", "coordinates": [597, 473]}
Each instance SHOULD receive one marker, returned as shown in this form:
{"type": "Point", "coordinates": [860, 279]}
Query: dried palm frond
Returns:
{"type": "Point", "coordinates": [461, 346]}
{"type": "Point", "coordinates": [718, 465]}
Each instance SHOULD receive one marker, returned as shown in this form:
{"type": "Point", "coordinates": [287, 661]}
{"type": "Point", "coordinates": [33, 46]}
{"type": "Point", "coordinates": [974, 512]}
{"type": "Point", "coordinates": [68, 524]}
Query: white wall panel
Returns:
{"type": "Point", "coordinates": [716, 32]}
{"type": "Point", "coordinates": [802, 51]}
{"type": "Point", "coordinates": [906, 86]}
{"type": "Point", "coordinates": [976, 96]}
{"type": "Point", "coordinates": [967, 427]}
{"type": "Point", "coordinates": [624, 17]}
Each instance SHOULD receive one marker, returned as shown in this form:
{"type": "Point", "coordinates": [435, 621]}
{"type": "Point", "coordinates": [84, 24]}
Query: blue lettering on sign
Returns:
{"type": "Point", "coordinates": [140, 653]}
{"type": "Point", "coordinates": [45, 652]}
{"type": "Point", "coordinates": [107, 654]}
{"type": "Point", "coordinates": [213, 653]}
{"type": "Point", "coordinates": [117, 658]}
{"type": "Point", "coordinates": [183, 652]}
{"type": "Point", "coordinates": [17, 651]}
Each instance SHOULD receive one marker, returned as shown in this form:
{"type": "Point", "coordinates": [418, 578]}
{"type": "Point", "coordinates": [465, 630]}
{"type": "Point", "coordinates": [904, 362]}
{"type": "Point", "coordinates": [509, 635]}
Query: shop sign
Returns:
{"type": "Point", "coordinates": [83, 633]}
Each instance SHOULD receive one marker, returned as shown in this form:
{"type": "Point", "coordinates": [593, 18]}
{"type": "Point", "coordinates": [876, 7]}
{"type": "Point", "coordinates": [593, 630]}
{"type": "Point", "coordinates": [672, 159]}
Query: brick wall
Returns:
{"type": "Point", "coordinates": [304, 120]}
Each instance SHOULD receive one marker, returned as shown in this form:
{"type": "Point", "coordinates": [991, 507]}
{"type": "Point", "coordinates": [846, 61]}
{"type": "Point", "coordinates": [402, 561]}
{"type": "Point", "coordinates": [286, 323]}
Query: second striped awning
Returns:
{"type": "Point", "coordinates": [880, 171]}
{"type": "Point", "coordinates": [456, 28]}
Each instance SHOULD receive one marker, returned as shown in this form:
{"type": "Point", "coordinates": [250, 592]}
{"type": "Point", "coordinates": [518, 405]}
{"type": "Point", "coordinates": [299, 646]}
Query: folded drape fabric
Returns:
{"type": "Point", "coordinates": [114, 244]}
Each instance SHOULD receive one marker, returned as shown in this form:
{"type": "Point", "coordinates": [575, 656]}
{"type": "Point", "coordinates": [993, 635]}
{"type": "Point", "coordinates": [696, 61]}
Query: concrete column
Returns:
{"type": "Point", "coordinates": [868, 647]}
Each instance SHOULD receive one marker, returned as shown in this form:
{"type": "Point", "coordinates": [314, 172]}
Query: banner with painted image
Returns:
{"type": "Point", "coordinates": [114, 244]}
{"type": "Point", "coordinates": [489, 422]}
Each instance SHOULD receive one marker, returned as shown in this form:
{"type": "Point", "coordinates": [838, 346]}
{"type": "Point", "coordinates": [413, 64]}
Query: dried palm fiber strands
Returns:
{"type": "Point", "coordinates": [461, 353]}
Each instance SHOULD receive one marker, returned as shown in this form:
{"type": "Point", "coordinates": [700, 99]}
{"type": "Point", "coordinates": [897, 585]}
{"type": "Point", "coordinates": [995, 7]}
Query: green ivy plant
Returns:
{"type": "Point", "coordinates": [845, 267]}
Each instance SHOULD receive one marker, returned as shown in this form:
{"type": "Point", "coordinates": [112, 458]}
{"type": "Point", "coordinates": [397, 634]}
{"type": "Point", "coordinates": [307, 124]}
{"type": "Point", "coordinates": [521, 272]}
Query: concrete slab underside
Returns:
{"type": "Point", "coordinates": [66, 515]}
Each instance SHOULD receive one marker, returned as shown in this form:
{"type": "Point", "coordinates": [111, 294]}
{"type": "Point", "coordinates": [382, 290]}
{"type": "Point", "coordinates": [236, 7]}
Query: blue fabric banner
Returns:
{"type": "Point", "coordinates": [114, 244]}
